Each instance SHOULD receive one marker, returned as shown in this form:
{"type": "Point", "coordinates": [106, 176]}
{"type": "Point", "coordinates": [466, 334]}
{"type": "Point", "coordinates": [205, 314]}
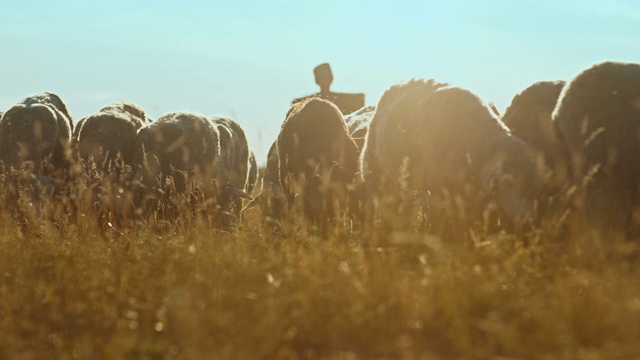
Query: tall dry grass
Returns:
{"type": "Point", "coordinates": [76, 287]}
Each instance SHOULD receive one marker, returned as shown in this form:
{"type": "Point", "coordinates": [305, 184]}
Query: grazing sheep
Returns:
{"type": "Point", "coordinates": [76, 130]}
{"type": "Point", "coordinates": [105, 142]}
{"type": "Point", "coordinates": [598, 116]}
{"type": "Point", "coordinates": [234, 155]}
{"type": "Point", "coordinates": [138, 116]}
{"type": "Point", "coordinates": [429, 140]}
{"type": "Point", "coordinates": [177, 152]}
{"type": "Point", "coordinates": [252, 177]}
{"type": "Point", "coordinates": [318, 160]}
{"type": "Point", "coordinates": [36, 132]}
{"type": "Point", "coordinates": [272, 199]}
{"type": "Point", "coordinates": [179, 155]}
{"type": "Point", "coordinates": [234, 149]}
{"type": "Point", "coordinates": [358, 125]}
{"type": "Point", "coordinates": [110, 133]}
{"type": "Point", "coordinates": [529, 118]}
{"type": "Point", "coordinates": [52, 100]}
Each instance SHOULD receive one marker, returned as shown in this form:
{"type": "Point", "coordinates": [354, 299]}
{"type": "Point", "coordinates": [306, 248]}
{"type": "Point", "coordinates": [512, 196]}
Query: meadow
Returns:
{"type": "Point", "coordinates": [72, 288]}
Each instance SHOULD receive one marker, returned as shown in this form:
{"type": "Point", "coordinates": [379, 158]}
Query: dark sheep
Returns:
{"type": "Point", "coordinates": [434, 145]}
{"type": "Point", "coordinates": [110, 134]}
{"type": "Point", "coordinates": [178, 150]}
{"type": "Point", "coordinates": [138, 116]}
{"type": "Point", "coordinates": [105, 143]}
{"type": "Point", "coordinates": [234, 154]}
{"type": "Point", "coordinates": [234, 150]}
{"type": "Point", "coordinates": [179, 155]}
{"type": "Point", "coordinates": [318, 160]}
{"type": "Point", "coordinates": [252, 178]}
{"type": "Point", "coordinates": [52, 100]}
{"type": "Point", "coordinates": [36, 131]}
{"type": "Point", "coordinates": [529, 118]}
{"type": "Point", "coordinates": [34, 153]}
{"type": "Point", "coordinates": [598, 116]}
{"type": "Point", "coordinates": [76, 130]}
{"type": "Point", "coordinates": [272, 199]}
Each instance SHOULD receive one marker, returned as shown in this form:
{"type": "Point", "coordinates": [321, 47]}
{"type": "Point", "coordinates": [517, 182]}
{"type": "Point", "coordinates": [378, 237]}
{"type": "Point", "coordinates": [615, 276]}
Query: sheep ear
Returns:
{"type": "Point", "coordinates": [489, 181]}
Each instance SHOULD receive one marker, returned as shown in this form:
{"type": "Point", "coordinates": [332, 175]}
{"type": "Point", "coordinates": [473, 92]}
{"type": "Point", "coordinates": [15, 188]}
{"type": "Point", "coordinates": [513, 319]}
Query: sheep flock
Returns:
{"type": "Point", "coordinates": [430, 158]}
{"type": "Point", "coordinates": [431, 167]}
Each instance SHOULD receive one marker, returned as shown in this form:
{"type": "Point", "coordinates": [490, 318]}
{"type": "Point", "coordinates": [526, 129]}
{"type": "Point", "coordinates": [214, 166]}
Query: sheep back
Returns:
{"type": "Point", "coordinates": [529, 118]}
{"type": "Point", "coordinates": [35, 130]}
{"type": "Point", "coordinates": [317, 158]}
{"type": "Point", "coordinates": [110, 133]}
{"type": "Point", "coordinates": [598, 116]}
{"type": "Point", "coordinates": [429, 138]}
{"type": "Point", "coordinates": [183, 144]}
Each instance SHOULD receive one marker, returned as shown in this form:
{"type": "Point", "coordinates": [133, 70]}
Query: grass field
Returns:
{"type": "Point", "coordinates": [70, 291]}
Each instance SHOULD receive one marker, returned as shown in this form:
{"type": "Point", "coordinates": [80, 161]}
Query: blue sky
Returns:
{"type": "Point", "coordinates": [248, 59]}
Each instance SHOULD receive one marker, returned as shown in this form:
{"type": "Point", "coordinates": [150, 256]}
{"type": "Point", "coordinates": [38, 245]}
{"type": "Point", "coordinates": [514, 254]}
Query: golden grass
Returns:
{"type": "Point", "coordinates": [71, 290]}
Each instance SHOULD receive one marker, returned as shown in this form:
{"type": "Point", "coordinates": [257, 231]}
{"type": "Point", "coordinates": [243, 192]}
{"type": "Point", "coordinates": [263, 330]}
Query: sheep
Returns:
{"type": "Point", "coordinates": [178, 151]}
{"type": "Point", "coordinates": [104, 141]}
{"type": "Point", "coordinates": [110, 133]}
{"type": "Point", "coordinates": [36, 132]}
{"type": "Point", "coordinates": [598, 117]}
{"type": "Point", "coordinates": [434, 145]}
{"type": "Point", "coordinates": [179, 156]}
{"type": "Point", "coordinates": [234, 149]}
{"type": "Point", "coordinates": [529, 118]}
{"type": "Point", "coordinates": [52, 100]}
{"type": "Point", "coordinates": [138, 116]}
{"type": "Point", "coordinates": [271, 199]}
{"type": "Point", "coordinates": [318, 160]}
{"type": "Point", "coordinates": [34, 139]}
{"type": "Point", "coordinates": [76, 130]}
{"type": "Point", "coordinates": [252, 177]}
{"type": "Point", "coordinates": [358, 124]}
{"type": "Point", "coordinates": [235, 157]}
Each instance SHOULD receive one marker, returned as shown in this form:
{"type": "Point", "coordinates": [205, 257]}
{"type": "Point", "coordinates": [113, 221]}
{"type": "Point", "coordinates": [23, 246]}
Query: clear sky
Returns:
{"type": "Point", "coordinates": [248, 59]}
